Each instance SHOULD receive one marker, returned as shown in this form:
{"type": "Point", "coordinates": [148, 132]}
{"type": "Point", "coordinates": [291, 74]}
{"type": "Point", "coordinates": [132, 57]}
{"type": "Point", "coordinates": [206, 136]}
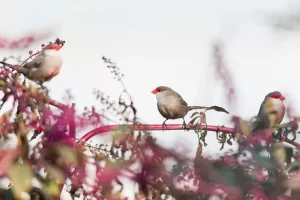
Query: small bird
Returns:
{"type": "Point", "coordinates": [46, 65]}
{"type": "Point", "coordinates": [271, 111]}
{"type": "Point", "coordinates": [172, 106]}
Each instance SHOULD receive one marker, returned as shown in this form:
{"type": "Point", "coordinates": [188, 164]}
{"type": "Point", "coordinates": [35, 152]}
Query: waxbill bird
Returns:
{"type": "Point", "coordinates": [271, 111]}
{"type": "Point", "coordinates": [172, 106]}
{"type": "Point", "coordinates": [46, 65]}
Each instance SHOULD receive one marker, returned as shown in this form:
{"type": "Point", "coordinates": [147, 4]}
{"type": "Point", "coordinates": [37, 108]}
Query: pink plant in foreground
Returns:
{"type": "Point", "coordinates": [22, 42]}
{"type": "Point", "coordinates": [245, 174]}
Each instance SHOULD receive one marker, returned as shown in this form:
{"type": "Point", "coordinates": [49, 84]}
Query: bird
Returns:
{"type": "Point", "coordinates": [172, 106]}
{"type": "Point", "coordinates": [271, 111]}
{"type": "Point", "coordinates": [45, 66]}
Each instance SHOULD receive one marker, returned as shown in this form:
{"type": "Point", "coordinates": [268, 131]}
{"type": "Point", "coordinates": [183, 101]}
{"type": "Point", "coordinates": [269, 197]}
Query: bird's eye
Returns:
{"type": "Point", "coordinates": [158, 90]}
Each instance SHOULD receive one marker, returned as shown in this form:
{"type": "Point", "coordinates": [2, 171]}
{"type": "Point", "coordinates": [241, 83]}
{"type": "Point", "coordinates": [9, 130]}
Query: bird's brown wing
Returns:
{"type": "Point", "coordinates": [261, 121]}
{"type": "Point", "coordinates": [182, 101]}
{"type": "Point", "coordinates": [262, 109]}
{"type": "Point", "coordinates": [35, 63]}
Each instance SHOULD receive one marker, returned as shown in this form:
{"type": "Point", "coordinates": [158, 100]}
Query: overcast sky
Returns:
{"type": "Point", "coordinates": [165, 43]}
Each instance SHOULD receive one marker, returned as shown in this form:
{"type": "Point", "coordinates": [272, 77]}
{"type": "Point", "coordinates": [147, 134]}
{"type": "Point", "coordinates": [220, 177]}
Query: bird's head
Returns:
{"type": "Point", "coordinates": [275, 96]}
{"type": "Point", "coordinates": [274, 106]}
{"type": "Point", "coordinates": [51, 50]}
{"type": "Point", "coordinates": [161, 91]}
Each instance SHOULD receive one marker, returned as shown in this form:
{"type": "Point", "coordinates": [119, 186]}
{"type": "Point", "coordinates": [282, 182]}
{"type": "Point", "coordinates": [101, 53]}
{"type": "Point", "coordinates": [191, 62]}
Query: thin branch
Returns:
{"type": "Point", "coordinates": [57, 104]}
{"type": "Point", "coordinates": [72, 124]}
{"type": "Point", "coordinates": [151, 127]}
{"type": "Point", "coordinates": [52, 102]}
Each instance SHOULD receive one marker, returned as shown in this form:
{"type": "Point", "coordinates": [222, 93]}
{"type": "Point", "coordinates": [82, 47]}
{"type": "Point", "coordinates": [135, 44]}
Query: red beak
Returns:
{"type": "Point", "coordinates": [282, 98]}
{"type": "Point", "coordinates": [154, 91]}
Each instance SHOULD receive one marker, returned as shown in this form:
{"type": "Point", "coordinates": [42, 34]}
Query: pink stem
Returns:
{"type": "Point", "coordinates": [151, 127]}
{"type": "Point", "coordinates": [72, 124]}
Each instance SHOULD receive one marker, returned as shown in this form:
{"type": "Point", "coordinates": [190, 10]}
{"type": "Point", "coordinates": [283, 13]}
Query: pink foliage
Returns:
{"type": "Point", "coordinates": [63, 156]}
{"type": "Point", "coordinates": [21, 43]}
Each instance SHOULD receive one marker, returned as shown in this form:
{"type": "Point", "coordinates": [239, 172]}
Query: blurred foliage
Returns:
{"type": "Point", "coordinates": [58, 159]}
{"type": "Point", "coordinates": [289, 21]}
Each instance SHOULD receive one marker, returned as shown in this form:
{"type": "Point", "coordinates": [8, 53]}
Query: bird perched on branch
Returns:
{"type": "Point", "coordinates": [271, 111]}
{"type": "Point", "coordinates": [172, 106]}
{"type": "Point", "coordinates": [43, 67]}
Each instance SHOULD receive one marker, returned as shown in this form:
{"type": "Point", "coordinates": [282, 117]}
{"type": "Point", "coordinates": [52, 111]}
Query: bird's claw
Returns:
{"type": "Point", "coordinates": [43, 87]}
{"type": "Point", "coordinates": [164, 126]}
{"type": "Point", "coordinates": [185, 127]}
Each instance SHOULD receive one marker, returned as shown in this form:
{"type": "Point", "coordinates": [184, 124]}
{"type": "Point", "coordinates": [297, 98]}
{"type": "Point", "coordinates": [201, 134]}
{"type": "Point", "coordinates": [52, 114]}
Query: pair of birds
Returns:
{"type": "Point", "coordinates": [46, 65]}
{"type": "Point", "coordinates": [172, 106]}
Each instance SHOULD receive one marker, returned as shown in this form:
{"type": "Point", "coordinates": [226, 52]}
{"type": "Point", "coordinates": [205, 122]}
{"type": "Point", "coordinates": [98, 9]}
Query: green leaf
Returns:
{"type": "Point", "coordinates": [68, 154]}
{"type": "Point", "coordinates": [21, 177]}
{"type": "Point", "coordinates": [52, 188]}
{"type": "Point", "coordinates": [278, 152]}
{"type": "Point", "coordinates": [55, 173]}
{"type": "Point", "coordinates": [116, 164]}
{"type": "Point", "coordinates": [119, 132]}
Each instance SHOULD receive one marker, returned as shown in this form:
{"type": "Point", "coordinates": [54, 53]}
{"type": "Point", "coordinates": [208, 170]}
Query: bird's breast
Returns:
{"type": "Point", "coordinates": [53, 61]}
{"type": "Point", "coordinates": [171, 108]}
{"type": "Point", "coordinates": [53, 73]}
{"type": "Point", "coordinates": [53, 65]}
{"type": "Point", "coordinates": [169, 102]}
{"type": "Point", "coordinates": [277, 107]}
{"type": "Point", "coordinates": [50, 67]}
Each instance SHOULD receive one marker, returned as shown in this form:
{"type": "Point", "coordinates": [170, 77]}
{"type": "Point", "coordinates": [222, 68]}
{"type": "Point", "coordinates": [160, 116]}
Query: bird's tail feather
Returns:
{"type": "Point", "coordinates": [18, 68]}
{"type": "Point", "coordinates": [196, 107]}
{"type": "Point", "coordinates": [216, 108]}
{"type": "Point", "coordinates": [7, 64]}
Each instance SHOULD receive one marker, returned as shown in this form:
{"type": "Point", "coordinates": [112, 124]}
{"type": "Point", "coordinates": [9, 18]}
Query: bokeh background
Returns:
{"type": "Point", "coordinates": [167, 43]}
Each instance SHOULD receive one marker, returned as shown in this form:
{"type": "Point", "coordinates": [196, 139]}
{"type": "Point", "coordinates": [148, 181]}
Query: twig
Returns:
{"type": "Point", "coordinates": [57, 104]}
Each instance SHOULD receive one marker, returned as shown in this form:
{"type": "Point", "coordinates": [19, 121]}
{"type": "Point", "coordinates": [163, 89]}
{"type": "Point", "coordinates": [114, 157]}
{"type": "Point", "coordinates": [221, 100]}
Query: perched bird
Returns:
{"type": "Point", "coordinates": [46, 65]}
{"type": "Point", "coordinates": [271, 111]}
{"type": "Point", "coordinates": [172, 106]}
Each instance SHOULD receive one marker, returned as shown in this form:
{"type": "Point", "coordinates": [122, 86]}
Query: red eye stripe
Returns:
{"type": "Point", "coordinates": [160, 89]}
{"type": "Point", "coordinates": [275, 96]}
{"type": "Point", "coordinates": [278, 96]}
{"type": "Point", "coordinates": [55, 47]}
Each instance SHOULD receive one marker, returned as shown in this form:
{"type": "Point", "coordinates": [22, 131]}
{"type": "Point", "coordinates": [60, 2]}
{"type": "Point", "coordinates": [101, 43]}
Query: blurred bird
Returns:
{"type": "Point", "coordinates": [46, 65]}
{"type": "Point", "coordinates": [172, 106]}
{"type": "Point", "coordinates": [271, 111]}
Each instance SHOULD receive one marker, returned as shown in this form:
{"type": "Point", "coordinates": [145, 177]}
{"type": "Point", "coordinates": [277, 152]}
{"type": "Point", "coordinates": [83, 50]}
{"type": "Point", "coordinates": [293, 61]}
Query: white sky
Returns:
{"type": "Point", "coordinates": [165, 43]}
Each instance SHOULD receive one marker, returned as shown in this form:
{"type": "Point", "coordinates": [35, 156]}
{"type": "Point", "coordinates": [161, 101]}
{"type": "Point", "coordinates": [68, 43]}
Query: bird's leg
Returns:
{"type": "Point", "coordinates": [164, 124]}
{"type": "Point", "coordinates": [184, 126]}
{"type": "Point", "coordinates": [42, 86]}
